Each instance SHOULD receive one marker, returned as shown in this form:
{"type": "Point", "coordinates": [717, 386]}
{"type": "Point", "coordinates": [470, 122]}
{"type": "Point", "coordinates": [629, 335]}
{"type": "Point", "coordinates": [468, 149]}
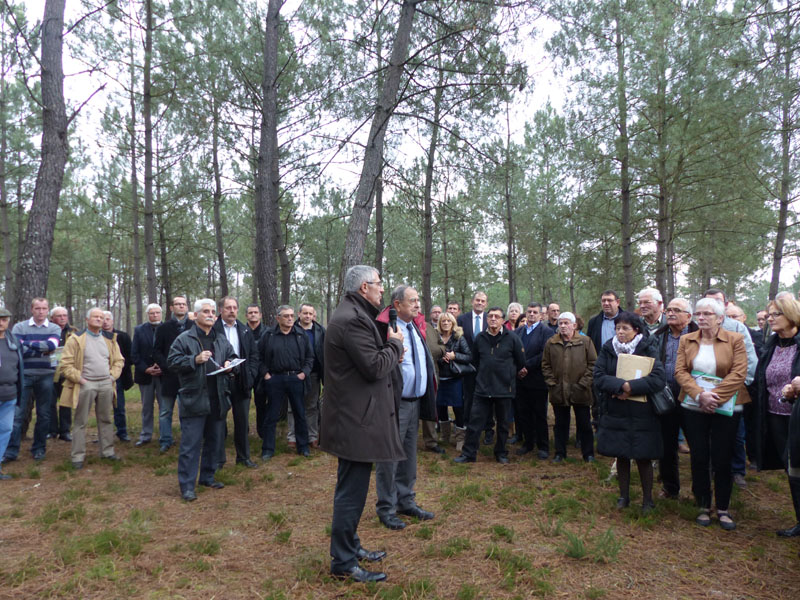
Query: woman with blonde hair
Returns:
{"type": "Point", "coordinates": [452, 367]}
{"type": "Point", "coordinates": [778, 411]}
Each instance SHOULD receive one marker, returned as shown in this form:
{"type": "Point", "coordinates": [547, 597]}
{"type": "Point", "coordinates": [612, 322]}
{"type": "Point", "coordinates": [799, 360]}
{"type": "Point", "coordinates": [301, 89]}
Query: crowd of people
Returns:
{"type": "Point", "coordinates": [638, 383]}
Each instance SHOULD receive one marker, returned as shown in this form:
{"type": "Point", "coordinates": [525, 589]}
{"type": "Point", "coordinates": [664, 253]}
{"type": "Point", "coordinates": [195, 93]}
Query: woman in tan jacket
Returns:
{"type": "Point", "coordinates": [711, 367]}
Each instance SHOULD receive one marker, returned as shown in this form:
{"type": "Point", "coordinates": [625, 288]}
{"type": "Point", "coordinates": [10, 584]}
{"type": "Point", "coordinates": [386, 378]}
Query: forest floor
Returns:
{"type": "Point", "coordinates": [530, 529]}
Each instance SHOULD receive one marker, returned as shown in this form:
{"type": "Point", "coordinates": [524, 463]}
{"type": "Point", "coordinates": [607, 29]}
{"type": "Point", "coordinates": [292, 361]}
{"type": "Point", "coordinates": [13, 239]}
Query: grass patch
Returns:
{"type": "Point", "coordinates": [452, 547]}
{"type": "Point", "coordinates": [606, 547]}
{"type": "Point", "coordinates": [424, 533]}
{"type": "Point", "coordinates": [574, 547]}
{"type": "Point", "coordinates": [28, 570]}
{"type": "Point", "coordinates": [413, 591]}
{"type": "Point", "coordinates": [206, 547]}
{"type": "Point", "coordinates": [226, 476]}
{"type": "Point", "coordinates": [200, 565]}
{"type": "Point", "coordinates": [593, 593]}
{"type": "Point", "coordinates": [467, 592]}
{"type": "Point", "coordinates": [565, 507]}
{"type": "Point", "coordinates": [514, 498]}
{"type": "Point", "coordinates": [122, 542]}
{"type": "Point", "coordinates": [34, 472]}
{"type": "Point", "coordinates": [435, 467]}
{"type": "Point", "coordinates": [474, 491]}
{"type": "Point", "coordinates": [278, 518]}
{"type": "Point", "coordinates": [297, 460]}
{"type": "Point", "coordinates": [282, 537]}
{"type": "Point", "coordinates": [502, 533]}
{"type": "Point", "coordinates": [511, 564]}
{"type": "Point", "coordinates": [550, 526]}
{"type": "Point", "coordinates": [54, 513]}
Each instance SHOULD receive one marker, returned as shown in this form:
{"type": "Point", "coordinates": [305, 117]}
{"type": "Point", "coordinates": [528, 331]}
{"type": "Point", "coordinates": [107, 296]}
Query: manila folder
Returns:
{"type": "Point", "coordinates": [631, 366]}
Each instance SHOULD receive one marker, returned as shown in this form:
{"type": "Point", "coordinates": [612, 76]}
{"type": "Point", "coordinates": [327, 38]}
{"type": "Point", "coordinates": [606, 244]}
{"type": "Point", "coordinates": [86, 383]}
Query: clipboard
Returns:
{"type": "Point", "coordinates": [234, 363]}
{"type": "Point", "coordinates": [632, 366]}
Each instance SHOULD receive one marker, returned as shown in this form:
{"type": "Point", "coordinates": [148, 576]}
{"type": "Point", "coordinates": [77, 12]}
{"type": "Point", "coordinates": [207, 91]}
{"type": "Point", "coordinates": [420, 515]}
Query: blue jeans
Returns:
{"type": "Point", "coordinates": [279, 387]}
{"type": "Point", "coordinates": [738, 464]}
{"type": "Point", "coordinates": [6, 423]}
{"type": "Point", "coordinates": [166, 406]}
{"type": "Point", "coordinates": [42, 388]}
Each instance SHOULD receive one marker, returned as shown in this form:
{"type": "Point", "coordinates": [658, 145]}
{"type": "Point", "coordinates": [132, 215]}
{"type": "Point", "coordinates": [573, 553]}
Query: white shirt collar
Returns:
{"type": "Point", "coordinates": [32, 323]}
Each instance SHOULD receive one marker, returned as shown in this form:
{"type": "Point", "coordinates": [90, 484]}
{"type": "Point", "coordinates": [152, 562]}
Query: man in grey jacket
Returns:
{"type": "Point", "coordinates": [203, 400]}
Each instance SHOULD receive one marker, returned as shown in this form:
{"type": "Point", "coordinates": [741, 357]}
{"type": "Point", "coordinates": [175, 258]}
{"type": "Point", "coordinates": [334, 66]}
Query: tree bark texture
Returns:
{"type": "Point", "coordinates": [267, 178]}
{"type": "Point", "coordinates": [373, 155]}
{"type": "Point", "coordinates": [217, 196]}
{"type": "Point", "coordinates": [137, 258]}
{"type": "Point", "coordinates": [623, 157]}
{"type": "Point", "coordinates": [427, 222]}
{"type": "Point", "coordinates": [34, 266]}
{"type": "Point", "coordinates": [147, 108]}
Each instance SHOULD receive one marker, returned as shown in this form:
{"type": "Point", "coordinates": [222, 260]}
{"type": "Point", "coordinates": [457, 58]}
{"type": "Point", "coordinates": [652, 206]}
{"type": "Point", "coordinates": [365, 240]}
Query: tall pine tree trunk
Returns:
{"type": "Point", "coordinates": [427, 218]}
{"type": "Point", "coordinates": [149, 244]}
{"type": "Point", "coordinates": [34, 266]}
{"type": "Point", "coordinates": [267, 174]}
{"type": "Point", "coordinates": [137, 257]}
{"type": "Point", "coordinates": [510, 241]}
{"type": "Point", "coordinates": [223, 274]}
{"type": "Point", "coordinates": [373, 155]}
{"type": "Point", "coordinates": [623, 158]}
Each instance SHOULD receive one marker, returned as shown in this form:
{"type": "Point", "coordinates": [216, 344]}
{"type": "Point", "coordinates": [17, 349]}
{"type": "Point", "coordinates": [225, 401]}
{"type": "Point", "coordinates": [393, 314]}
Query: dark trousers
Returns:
{"type": "Point", "coordinates": [481, 409]}
{"type": "Point", "coordinates": [668, 466]}
{"type": "Point", "coordinates": [260, 401]}
{"type": "Point", "coordinates": [738, 464]}
{"type": "Point", "coordinates": [240, 407]}
{"type": "Point", "coordinates": [120, 420]}
{"type": "Point", "coordinates": [711, 438]}
{"type": "Point", "coordinates": [778, 435]}
{"type": "Point", "coordinates": [41, 386]}
{"type": "Point", "coordinates": [530, 410]}
{"type": "Point", "coordinates": [352, 485]}
{"type": "Point", "coordinates": [583, 429]}
{"type": "Point", "coordinates": [279, 387]}
{"type": "Point", "coordinates": [198, 448]}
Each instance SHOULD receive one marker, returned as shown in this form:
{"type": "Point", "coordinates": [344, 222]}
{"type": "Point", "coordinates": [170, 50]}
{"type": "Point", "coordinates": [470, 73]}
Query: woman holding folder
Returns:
{"type": "Point", "coordinates": [711, 367]}
{"type": "Point", "coordinates": [626, 371]}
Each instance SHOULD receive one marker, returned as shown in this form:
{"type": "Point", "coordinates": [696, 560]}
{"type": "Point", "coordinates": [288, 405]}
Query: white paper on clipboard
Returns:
{"type": "Point", "coordinates": [235, 362]}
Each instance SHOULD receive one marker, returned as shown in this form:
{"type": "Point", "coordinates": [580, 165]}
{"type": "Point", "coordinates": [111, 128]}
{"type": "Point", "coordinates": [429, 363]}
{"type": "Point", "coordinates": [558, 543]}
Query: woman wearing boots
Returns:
{"type": "Point", "coordinates": [778, 387]}
{"type": "Point", "coordinates": [452, 366]}
{"type": "Point", "coordinates": [629, 429]}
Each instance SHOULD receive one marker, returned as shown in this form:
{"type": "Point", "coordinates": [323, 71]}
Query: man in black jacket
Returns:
{"type": "Point", "coordinates": [244, 346]}
{"type": "Point", "coordinates": [125, 381]}
{"type": "Point", "coordinates": [203, 400]}
{"type": "Point", "coordinates": [601, 329]}
{"type": "Point", "coordinates": [166, 334]}
{"type": "Point", "coordinates": [61, 416]}
{"type": "Point", "coordinates": [306, 323]}
{"type": "Point", "coordinates": [286, 360]}
{"type": "Point", "coordinates": [500, 359]}
{"type": "Point", "coordinates": [679, 323]}
{"type": "Point", "coordinates": [530, 400]}
{"type": "Point", "coordinates": [257, 327]}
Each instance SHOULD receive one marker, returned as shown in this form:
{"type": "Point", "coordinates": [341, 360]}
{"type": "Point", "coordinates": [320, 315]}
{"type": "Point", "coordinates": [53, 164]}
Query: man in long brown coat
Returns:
{"type": "Point", "coordinates": [359, 415]}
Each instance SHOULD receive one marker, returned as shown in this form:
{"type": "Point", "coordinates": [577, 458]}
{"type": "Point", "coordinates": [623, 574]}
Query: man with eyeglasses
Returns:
{"type": "Point", "coordinates": [679, 323]}
{"type": "Point", "coordinates": [286, 362]}
{"type": "Point", "coordinates": [499, 358]}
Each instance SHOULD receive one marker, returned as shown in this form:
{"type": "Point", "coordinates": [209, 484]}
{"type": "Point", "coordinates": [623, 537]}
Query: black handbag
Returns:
{"type": "Point", "coordinates": [461, 368]}
{"type": "Point", "coordinates": [663, 401]}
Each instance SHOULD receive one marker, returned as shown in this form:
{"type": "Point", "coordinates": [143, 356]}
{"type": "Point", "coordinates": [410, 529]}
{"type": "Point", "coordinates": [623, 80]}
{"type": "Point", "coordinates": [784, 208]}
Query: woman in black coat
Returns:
{"type": "Point", "coordinates": [629, 429]}
{"type": "Point", "coordinates": [452, 365]}
{"type": "Point", "coordinates": [777, 370]}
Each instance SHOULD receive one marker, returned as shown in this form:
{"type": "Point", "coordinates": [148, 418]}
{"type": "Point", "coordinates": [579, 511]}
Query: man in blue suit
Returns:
{"type": "Point", "coordinates": [530, 400]}
{"type": "Point", "coordinates": [473, 323]}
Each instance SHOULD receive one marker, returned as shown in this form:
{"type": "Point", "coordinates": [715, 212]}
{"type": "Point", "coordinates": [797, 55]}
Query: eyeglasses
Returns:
{"type": "Point", "coordinates": [374, 282]}
{"type": "Point", "coordinates": [675, 310]}
{"type": "Point", "coordinates": [774, 315]}
{"type": "Point", "coordinates": [705, 314]}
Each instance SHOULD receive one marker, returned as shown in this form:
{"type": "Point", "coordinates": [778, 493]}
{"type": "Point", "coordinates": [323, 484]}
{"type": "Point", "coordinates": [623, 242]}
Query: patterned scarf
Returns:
{"type": "Point", "coordinates": [628, 348]}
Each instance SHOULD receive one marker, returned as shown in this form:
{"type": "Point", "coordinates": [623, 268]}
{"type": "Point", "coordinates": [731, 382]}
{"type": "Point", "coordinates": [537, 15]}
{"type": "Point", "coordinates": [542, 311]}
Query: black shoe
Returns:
{"type": "Point", "coordinates": [729, 524]}
{"type": "Point", "coordinates": [51, 436]}
{"type": "Point", "coordinates": [623, 502]}
{"type": "Point", "coordinates": [502, 460]}
{"type": "Point", "coordinates": [4, 477]}
{"type": "Point", "coordinates": [542, 454]}
{"type": "Point", "coordinates": [488, 439]}
{"type": "Point", "coordinates": [217, 485]}
{"type": "Point", "coordinates": [67, 437]}
{"type": "Point", "coordinates": [113, 458]}
{"type": "Point", "coordinates": [416, 511]}
{"type": "Point", "coordinates": [164, 448]}
{"type": "Point", "coordinates": [8, 459]}
{"type": "Point", "coordinates": [648, 507]}
{"type": "Point", "coordinates": [78, 465]}
{"type": "Point", "coordinates": [266, 456]}
{"type": "Point", "coordinates": [589, 459]}
{"type": "Point", "coordinates": [359, 575]}
{"type": "Point", "coordinates": [523, 451]}
{"type": "Point", "coordinates": [188, 495]}
{"type": "Point", "coordinates": [305, 452]}
{"type": "Point", "coordinates": [141, 443]}
{"type": "Point", "coordinates": [513, 439]}
{"type": "Point", "coordinates": [370, 555]}
{"type": "Point", "coordinates": [436, 450]}
{"type": "Point", "coordinates": [247, 463]}
{"type": "Point", "coordinates": [791, 532]}
{"type": "Point", "coordinates": [558, 459]}
{"type": "Point", "coordinates": [463, 459]}
{"type": "Point", "coordinates": [392, 522]}
{"type": "Point", "coordinates": [124, 437]}
{"type": "Point", "coordinates": [37, 456]}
